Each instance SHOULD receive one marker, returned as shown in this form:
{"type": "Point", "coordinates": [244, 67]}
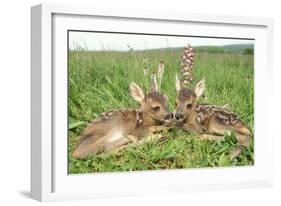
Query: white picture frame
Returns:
{"type": "Point", "coordinates": [49, 178]}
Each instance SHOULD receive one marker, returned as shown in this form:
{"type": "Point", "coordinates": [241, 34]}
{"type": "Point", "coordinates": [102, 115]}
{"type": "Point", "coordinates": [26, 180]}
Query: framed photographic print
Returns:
{"type": "Point", "coordinates": [133, 102]}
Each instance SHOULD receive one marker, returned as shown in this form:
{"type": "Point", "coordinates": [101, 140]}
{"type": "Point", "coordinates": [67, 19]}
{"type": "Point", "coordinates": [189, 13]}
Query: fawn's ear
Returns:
{"type": "Point", "coordinates": [154, 85]}
{"type": "Point", "coordinates": [136, 92]}
{"type": "Point", "coordinates": [178, 83]}
{"type": "Point", "coordinates": [200, 88]}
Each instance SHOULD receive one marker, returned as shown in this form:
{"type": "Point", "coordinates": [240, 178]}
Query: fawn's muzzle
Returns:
{"type": "Point", "coordinates": [179, 116]}
{"type": "Point", "coordinates": [169, 116]}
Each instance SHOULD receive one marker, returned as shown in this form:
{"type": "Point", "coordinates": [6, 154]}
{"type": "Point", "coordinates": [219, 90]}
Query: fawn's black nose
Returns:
{"type": "Point", "coordinates": [179, 116]}
{"type": "Point", "coordinates": [169, 116]}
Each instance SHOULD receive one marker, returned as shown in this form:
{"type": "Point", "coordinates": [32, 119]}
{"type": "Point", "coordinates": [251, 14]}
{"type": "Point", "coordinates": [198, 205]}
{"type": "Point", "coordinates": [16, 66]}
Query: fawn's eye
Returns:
{"type": "Point", "coordinates": [176, 104]}
{"type": "Point", "coordinates": [189, 106]}
{"type": "Point", "coordinates": [155, 109]}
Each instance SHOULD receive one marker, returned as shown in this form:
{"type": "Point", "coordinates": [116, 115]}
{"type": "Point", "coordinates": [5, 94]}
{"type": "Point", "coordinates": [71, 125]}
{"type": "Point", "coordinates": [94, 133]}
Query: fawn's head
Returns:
{"type": "Point", "coordinates": [153, 104]}
{"type": "Point", "coordinates": [187, 99]}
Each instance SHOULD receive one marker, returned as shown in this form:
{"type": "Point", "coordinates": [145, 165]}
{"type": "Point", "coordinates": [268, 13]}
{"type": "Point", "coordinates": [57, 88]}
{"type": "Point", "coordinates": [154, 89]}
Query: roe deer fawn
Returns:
{"type": "Point", "coordinates": [116, 129]}
{"type": "Point", "coordinates": [211, 121]}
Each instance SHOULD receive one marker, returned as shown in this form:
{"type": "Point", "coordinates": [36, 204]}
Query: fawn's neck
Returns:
{"type": "Point", "coordinates": [191, 117]}
{"type": "Point", "coordinates": [147, 120]}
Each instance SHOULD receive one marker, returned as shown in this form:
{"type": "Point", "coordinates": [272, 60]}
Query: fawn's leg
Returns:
{"type": "Point", "coordinates": [151, 137]}
{"type": "Point", "coordinates": [236, 152]}
{"type": "Point", "coordinates": [244, 141]}
{"type": "Point", "coordinates": [233, 154]}
{"type": "Point", "coordinates": [154, 133]}
{"type": "Point", "coordinates": [211, 137]}
{"type": "Point", "coordinates": [221, 130]}
{"type": "Point", "coordinates": [217, 132]}
{"type": "Point", "coordinates": [155, 129]}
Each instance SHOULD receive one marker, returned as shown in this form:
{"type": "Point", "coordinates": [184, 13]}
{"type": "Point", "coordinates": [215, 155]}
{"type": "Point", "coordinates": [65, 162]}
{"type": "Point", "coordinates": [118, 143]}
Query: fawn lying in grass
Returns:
{"type": "Point", "coordinates": [211, 121]}
{"type": "Point", "coordinates": [116, 129]}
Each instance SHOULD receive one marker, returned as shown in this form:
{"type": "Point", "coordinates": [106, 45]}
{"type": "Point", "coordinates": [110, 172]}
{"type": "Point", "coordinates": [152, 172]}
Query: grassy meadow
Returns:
{"type": "Point", "coordinates": [98, 82]}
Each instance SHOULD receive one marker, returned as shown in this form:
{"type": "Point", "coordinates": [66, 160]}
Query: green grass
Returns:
{"type": "Point", "coordinates": [98, 81]}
